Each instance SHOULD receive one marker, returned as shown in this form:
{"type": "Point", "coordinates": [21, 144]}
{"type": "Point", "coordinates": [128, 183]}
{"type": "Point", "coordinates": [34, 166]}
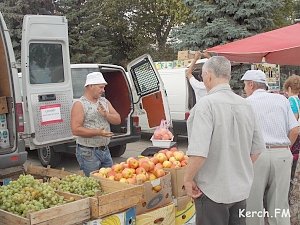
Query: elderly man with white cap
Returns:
{"type": "Point", "coordinates": [91, 117]}
{"type": "Point", "coordinates": [273, 168]}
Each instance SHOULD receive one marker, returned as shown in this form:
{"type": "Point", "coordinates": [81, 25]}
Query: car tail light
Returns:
{"type": "Point", "coordinates": [20, 117]}
{"type": "Point", "coordinates": [14, 158]}
{"type": "Point", "coordinates": [186, 115]}
{"type": "Point", "coordinates": [136, 121]}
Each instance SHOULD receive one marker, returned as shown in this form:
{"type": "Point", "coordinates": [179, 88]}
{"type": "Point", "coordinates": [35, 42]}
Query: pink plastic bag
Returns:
{"type": "Point", "coordinates": [162, 132]}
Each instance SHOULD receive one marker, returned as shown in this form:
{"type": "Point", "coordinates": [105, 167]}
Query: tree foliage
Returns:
{"type": "Point", "coordinates": [221, 21]}
{"type": "Point", "coordinates": [13, 12]}
{"type": "Point", "coordinates": [88, 36]}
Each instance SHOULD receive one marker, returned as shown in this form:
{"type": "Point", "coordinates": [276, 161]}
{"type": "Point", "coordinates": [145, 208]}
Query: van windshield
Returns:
{"type": "Point", "coordinates": [46, 63]}
{"type": "Point", "coordinates": [78, 80]}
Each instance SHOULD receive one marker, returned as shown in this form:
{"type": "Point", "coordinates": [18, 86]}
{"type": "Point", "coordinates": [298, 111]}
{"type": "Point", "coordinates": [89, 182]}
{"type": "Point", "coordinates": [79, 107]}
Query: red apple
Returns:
{"type": "Point", "coordinates": [141, 178]}
{"type": "Point", "coordinates": [117, 168]}
{"type": "Point", "coordinates": [132, 162]}
{"type": "Point", "coordinates": [158, 166]}
{"type": "Point", "coordinates": [154, 160]}
{"type": "Point", "coordinates": [140, 170]}
{"type": "Point", "coordinates": [145, 165]}
{"type": "Point", "coordinates": [183, 163]}
{"type": "Point", "coordinates": [118, 176]}
{"type": "Point", "coordinates": [159, 173]}
{"type": "Point", "coordinates": [161, 157]}
{"type": "Point", "coordinates": [176, 164]}
{"type": "Point", "coordinates": [156, 188]}
{"type": "Point", "coordinates": [167, 164]}
{"type": "Point", "coordinates": [127, 173]}
{"type": "Point", "coordinates": [179, 155]}
{"type": "Point", "coordinates": [169, 154]}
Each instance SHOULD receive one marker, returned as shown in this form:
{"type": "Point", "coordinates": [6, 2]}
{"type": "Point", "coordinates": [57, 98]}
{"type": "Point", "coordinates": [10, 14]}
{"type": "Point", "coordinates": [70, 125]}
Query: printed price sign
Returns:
{"type": "Point", "coordinates": [51, 114]}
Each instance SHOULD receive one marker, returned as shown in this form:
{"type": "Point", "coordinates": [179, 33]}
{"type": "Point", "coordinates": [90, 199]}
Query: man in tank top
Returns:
{"type": "Point", "coordinates": [91, 117]}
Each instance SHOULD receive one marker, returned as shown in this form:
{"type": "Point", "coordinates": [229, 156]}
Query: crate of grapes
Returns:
{"type": "Point", "coordinates": [112, 197]}
{"type": "Point", "coordinates": [27, 201]}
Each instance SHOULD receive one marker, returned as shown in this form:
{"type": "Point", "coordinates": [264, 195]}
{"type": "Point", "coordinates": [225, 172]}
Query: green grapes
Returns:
{"type": "Point", "coordinates": [27, 195]}
{"type": "Point", "coordinates": [76, 184]}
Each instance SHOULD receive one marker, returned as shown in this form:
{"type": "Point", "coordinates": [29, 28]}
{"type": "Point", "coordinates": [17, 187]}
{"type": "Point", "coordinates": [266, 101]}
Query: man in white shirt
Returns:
{"type": "Point", "coordinates": [223, 137]}
{"type": "Point", "coordinates": [273, 168]}
{"type": "Point", "coordinates": [198, 86]}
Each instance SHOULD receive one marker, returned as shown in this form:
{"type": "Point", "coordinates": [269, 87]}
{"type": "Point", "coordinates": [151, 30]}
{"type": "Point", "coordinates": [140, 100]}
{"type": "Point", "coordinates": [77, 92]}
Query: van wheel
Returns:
{"type": "Point", "coordinates": [48, 156]}
{"type": "Point", "coordinates": [117, 151]}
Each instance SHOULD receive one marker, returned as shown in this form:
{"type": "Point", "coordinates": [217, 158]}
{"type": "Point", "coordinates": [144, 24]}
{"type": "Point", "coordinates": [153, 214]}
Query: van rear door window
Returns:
{"type": "Point", "coordinates": [46, 63]}
{"type": "Point", "coordinates": [78, 80]}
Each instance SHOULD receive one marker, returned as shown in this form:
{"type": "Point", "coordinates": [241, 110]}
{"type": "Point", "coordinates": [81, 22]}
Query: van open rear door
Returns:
{"type": "Point", "coordinates": [152, 97]}
{"type": "Point", "coordinates": [47, 85]}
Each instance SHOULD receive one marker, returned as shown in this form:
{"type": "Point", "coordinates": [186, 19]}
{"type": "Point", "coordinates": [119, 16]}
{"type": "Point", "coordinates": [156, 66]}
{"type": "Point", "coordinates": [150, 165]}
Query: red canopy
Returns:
{"type": "Point", "coordinates": [280, 46]}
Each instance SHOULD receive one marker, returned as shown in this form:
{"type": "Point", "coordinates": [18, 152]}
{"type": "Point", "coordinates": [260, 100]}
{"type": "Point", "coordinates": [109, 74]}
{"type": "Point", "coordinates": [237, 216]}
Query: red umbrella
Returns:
{"type": "Point", "coordinates": [280, 46]}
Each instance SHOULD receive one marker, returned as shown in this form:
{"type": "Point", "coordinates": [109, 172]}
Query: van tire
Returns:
{"type": "Point", "coordinates": [117, 151]}
{"type": "Point", "coordinates": [48, 156]}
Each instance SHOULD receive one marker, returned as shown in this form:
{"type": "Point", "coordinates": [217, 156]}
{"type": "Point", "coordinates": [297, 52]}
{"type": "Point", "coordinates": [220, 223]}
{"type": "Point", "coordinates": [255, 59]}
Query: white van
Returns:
{"type": "Point", "coordinates": [125, 94]}
{"type": "Point", "coordinates": [12, 148]}
{"type": "Point", "coordinates": [129, 93]}
{"type": "Point", "coordinates": [46, 87]}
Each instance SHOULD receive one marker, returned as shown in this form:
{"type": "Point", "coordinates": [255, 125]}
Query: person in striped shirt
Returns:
{"type": "Point", "coordinates": [273, 168]}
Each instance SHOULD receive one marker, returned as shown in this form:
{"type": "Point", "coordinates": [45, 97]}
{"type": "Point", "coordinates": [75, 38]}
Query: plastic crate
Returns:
{"type": "Point", "coordinates": [162, 143]}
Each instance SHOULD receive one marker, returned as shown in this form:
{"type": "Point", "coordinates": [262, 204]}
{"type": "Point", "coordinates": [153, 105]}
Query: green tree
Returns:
{"type": "Point", "coordinates": [137, 27]}
{"type": "Point", "coordinates": [221, 21]}
{"type": "Point", "coordinates": [296, 9]}
{"type": "Point", "coordinates": [13, 12]}
{"type": "Point", "coordinates": [284, 15]}
{"type": "Point", "coordinates": [88, 37]}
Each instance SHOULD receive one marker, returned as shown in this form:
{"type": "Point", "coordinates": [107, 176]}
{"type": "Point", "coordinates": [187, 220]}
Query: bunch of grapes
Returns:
{"type": "Point", "coordinates": [76, 184]}
{"type": "Point", "coordinates": [27, 195]}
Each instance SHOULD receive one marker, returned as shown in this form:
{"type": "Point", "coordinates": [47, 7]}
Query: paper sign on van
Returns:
{"type": "Point", "coordinates": [51, 114]}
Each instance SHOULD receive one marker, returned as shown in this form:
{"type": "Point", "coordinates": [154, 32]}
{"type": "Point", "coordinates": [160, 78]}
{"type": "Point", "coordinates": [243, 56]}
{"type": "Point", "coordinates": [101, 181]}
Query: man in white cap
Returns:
{"type": "Point", "coordinates": [273, 168]}
{"type": "Point", "coordinates": [91, 117]}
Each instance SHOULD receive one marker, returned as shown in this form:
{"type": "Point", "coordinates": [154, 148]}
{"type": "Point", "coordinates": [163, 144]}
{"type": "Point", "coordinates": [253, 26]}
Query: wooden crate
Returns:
{"type": "Point", "coordinates": [117, 197]}
{"type": "Point", "coordinates": [71, 213]}
{"type": "Point", "coordinates": [42, 172]}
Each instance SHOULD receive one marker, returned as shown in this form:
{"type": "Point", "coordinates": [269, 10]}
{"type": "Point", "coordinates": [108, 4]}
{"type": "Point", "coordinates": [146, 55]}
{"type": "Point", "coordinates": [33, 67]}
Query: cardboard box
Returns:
{"type": "Point", "coordinates": [3, 105]}
{"type": "Point", "coordinates": [162, 216]}
{"type": "Point", "coordinates": [187, 62]}
{"type": "Point", "coordinates": [185, 211]}
{"type": "Point", "coordinates": [177, 175]}
{"type": "Point", "coordinates": [185, 55]}
{"type": "Point", "coordinates": [127, 217]}
{"type": "Point", "coordinates": [154, 199]}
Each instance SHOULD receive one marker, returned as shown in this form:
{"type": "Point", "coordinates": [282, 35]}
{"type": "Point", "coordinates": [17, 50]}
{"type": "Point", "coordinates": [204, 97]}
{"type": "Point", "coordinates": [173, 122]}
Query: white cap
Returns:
{"type": "Point", "coordinates": [255, 75]}
{"type": "Point", "coordinates": [94, 78]}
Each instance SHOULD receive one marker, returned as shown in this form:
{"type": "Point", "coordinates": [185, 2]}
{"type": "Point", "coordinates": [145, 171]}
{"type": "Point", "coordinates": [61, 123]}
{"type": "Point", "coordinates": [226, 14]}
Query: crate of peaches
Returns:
{"type": "Point", "coordinates": [146, 172]}
{"type": "Point", "coordinates": [174, 161]}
